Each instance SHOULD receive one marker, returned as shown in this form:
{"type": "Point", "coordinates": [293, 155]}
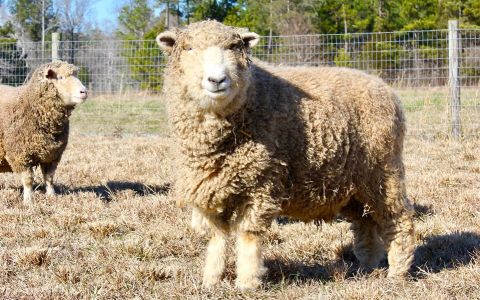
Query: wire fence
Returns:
{"type": "Point", "coordinates": [125, 76]}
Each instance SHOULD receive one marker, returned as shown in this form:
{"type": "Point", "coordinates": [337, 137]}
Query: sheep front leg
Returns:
{"type": "Point", "coordinates": [249, 261]}
{"type": "Point", "coordinates": [215, 260]}
{"type": "Point", "coordinates": [27, 181]}
{"type": "Point", "coordinates": [199, 223]}
{"type": "Point", "coordinates": [48, 172]}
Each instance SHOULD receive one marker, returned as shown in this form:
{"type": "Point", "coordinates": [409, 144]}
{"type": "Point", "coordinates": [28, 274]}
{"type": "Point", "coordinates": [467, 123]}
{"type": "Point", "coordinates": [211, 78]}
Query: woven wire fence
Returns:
{"type": "Point", "coordinates": [124, 77]}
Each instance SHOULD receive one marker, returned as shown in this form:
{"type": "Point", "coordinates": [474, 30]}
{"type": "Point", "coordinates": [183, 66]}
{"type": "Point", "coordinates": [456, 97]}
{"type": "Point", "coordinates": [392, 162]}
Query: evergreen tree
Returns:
{"type": "Point", "coordinates": [28, 16]}
{"type": "Point", "coordinates": [134, 19]}
{"type": "Point", "coordinates": [13, 68]}
{"type": "Point", "coordinates": [137, 23]}
{"type": "Point", "coordinates": [212, 9]}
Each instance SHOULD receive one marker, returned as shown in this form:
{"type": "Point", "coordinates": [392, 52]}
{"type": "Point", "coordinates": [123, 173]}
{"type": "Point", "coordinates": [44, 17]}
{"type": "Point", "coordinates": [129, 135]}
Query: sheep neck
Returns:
{"type": "Point", "coordinates": [208, 137]}
{"type": "Point", "coordinates": [46, 111]}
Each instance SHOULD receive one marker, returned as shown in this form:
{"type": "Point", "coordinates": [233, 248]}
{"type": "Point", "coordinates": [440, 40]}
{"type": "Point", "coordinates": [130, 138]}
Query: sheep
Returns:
{"type": "Point", "coordinates": [34, 123]}
{"type": "Point", "coordinates": [252, 142]}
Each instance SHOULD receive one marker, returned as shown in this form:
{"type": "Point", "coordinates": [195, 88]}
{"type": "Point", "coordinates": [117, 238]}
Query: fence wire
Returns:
{"type": "Point", "coordinates": [125, 76]}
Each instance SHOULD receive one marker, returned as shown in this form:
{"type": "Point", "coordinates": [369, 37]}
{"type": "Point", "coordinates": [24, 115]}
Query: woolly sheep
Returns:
{"type": "Point", "coordinates": [34, 123]}
{"type": "Point", "coordinates": [254, 142]}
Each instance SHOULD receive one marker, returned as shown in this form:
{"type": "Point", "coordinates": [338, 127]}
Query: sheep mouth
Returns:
{"type": "Point", "coordinates": [218, 93]}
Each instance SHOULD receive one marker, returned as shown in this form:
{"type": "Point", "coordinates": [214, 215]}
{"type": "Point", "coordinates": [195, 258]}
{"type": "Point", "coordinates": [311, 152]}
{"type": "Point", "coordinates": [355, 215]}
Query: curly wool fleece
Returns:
{"type": "Point", "coordinates": [34, 121]}
{"type": "Point", "coordinates": [309, 143]}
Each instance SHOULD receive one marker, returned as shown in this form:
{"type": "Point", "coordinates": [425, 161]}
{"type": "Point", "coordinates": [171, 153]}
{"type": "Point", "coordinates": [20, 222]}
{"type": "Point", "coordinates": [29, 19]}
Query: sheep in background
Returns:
{"type": "Point", "coordinates": [254, 142]}
{"type": "Point", "coordinates": [34, 122]}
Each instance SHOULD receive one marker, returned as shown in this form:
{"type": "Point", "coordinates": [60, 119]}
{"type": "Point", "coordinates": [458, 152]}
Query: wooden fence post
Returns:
{"type": "Point", "coordinates": [453, 76]}
{"type": "Point", "coordinates": [55, 45]}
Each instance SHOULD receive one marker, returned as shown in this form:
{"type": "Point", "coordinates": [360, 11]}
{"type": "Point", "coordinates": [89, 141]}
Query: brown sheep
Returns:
{"type": "Point", "coordinates": [34, 122]}
{"type": "Point", "coordinates": [254, 142]}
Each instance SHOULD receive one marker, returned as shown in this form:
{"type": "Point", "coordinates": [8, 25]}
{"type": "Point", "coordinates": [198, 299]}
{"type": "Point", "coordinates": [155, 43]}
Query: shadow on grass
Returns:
{"type": "Point", "coordinates": [294, 271]}
{"type": "Point", "coordinates": [422, 211]}
{"type": "Point", "coordinates": [437, 253]}
{"type": "Point", "coordinates": [107, 191]}
{"type": "Point", "coordinates": [446, 251]}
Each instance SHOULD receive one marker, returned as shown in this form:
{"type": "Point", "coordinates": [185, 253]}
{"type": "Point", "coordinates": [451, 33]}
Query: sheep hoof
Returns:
{"type": "Point", "coordinates": [248, 284]}
{"type": "Point", "coordinates": [396, 274]}
{"type": "Point", "coordinates": [50, 192]}
{"type": "Point", "coordinates": [27, 199]}
{"type": "Point", "coordinates": [210, 282]}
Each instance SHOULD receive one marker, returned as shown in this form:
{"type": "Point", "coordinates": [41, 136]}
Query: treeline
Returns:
{"type": "Point", "coordinates": [293, 17]}
{"type": "Point", "coordinates": [284, 17]}
{"type": "Point", "coordinates": [35, 21]}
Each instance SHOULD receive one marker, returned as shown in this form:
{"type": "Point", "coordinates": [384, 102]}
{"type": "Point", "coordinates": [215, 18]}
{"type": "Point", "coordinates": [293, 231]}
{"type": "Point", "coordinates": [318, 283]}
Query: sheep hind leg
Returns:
{"type": "Point", "coordinates": [250, 267]}
{"type": "Point", "coordinates": [397, 230]}
{"type": "Point", "coordinates": [48, 172]}
{"type": "Point", "coordinates": [215, 259]}
{"type": "Point", "coordinates": [367, 245]}
{"type": "Point", "coordinates": [27, 181]}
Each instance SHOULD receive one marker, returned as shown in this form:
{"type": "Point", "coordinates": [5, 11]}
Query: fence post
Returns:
{"type": "Point", "coordinates": [453, 76]}
{"type": "Point", "coordinates": [55, 45]}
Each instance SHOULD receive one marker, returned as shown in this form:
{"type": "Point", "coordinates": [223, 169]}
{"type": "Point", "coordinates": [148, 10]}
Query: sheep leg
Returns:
{"type": "Point", "coordinates": [48, 172]}
{"type": "Point", "coordinates": [249, 261]}
{"type": "Point", "coordinates": [27, 181]}
{"type": "Point", "coordinates": [215, 260]}
{"type": "Point", "coordinates": [199, 223]}
{"type": "Point", "coordinates": [396, 222]}
{"type": "Point", "coordinates": [367, 245]}
{"type": "Point", "coordinates": [399, 240]}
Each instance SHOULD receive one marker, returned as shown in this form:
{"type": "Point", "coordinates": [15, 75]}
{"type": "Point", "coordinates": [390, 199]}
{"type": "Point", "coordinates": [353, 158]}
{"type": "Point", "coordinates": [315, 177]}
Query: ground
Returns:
{"type": "Point", "coordinates": [113, 232]}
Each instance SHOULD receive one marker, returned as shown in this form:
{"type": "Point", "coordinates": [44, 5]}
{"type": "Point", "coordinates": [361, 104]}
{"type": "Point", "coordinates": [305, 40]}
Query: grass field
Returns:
{"type": "Point", "coordinates": [113, 232]}
{"type": "Point", "coordinates": [427, 113]}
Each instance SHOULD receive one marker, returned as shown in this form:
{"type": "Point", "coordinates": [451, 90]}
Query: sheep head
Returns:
{"type": "Point", "coordinates": [63, 77]}
{"type": "Point", "coordinates": [210, 63]}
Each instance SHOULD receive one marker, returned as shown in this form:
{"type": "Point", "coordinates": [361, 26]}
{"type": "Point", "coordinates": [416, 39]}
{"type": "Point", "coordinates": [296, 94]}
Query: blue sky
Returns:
{"type": "Point", "coordinates": [106, 11]}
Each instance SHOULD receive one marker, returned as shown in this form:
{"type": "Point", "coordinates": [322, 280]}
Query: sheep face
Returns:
{"type": "Point", "coordinates": [69, 88]}
{"type": "Point", "coordinates": [211, 63]}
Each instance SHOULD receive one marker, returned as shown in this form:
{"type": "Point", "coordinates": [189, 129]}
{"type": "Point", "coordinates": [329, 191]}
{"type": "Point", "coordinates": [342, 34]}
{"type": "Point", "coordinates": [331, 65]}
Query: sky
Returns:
{"type": "Point", "coordinates": [103, 12]}
{"type": "Point", "coordinates": [106, 11]}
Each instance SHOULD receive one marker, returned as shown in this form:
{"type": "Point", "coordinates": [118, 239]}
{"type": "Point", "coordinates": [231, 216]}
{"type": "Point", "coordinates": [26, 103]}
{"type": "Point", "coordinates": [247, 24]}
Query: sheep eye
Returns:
{"type": "Point", "coordinates": [60, 77]}
{"type": "Point", "coordinates": [188, 48]}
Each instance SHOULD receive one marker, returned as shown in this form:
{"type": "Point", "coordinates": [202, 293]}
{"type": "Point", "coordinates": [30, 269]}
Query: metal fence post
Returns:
{"type": "Point", "coordinates": [55, 45]}
{"type": "Point", "coordinates": [453, 76]}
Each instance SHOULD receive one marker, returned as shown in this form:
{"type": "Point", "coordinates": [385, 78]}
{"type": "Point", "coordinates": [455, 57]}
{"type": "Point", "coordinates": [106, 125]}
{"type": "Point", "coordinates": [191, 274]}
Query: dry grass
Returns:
{"type": "Point", "coordinates": [114, 233]}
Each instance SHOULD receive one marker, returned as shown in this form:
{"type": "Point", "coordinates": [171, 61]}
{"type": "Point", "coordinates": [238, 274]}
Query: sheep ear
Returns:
{"type": "Point", "coordinates": [50, 74]}
{"type": "Point", "coordinates": [250, 39]}
{"type": "Point", "coordinates": [166, 40]}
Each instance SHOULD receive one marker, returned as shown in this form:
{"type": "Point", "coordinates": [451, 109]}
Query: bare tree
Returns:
{"type": "Point", "coordinates": [74, 17]}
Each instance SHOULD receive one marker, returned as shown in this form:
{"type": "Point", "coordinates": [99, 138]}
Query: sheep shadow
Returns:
{"type": "Point", "coordinates": [108, 190]}
{"type": "Point", "coordinates": [448, 251]}
{"type": "Point", "coordinates": [345, 266]}
{"type": "Point", "coordinates": [436, 253]}
{"type": "Point", "coordinates": [422, 211]}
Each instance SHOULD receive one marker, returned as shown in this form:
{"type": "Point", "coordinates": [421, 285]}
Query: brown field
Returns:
{"type": "Point", "coordinates": [113, 232]}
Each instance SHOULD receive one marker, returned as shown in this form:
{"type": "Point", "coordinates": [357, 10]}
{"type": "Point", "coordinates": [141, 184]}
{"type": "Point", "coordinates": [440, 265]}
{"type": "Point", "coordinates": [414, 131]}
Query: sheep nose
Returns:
{"type": "Point", "coordinates": [217, 80]}
{"type": "Point", "coordinates": [83, 94]}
